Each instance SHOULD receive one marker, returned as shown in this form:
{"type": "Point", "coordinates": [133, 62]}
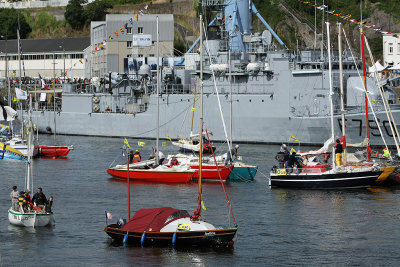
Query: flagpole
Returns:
{"type": "Point", "coordinates": [158, 93]}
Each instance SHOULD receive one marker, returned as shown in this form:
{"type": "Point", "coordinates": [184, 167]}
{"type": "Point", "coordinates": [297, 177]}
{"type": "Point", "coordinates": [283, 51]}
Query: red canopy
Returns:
{"type": "Point", "coordinates": [152, 220]}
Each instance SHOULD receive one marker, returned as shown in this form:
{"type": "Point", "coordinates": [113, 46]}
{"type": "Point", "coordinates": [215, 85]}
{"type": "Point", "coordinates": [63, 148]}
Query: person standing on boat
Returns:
{"type": "Point", "coordinates": [232, 153]}
{"type": "Point", "coordinates": [14, 198]}
{"type": "Point", "coordinates": [39, 198]}
{"type": "Point", "coordinates": [338, 152]}
{"type": "Point", "coordinates": [291, 162]}
{"type": "Point", "coordinates": [282, 156]}
{"type": "Point", "coordinates": [49, 204]}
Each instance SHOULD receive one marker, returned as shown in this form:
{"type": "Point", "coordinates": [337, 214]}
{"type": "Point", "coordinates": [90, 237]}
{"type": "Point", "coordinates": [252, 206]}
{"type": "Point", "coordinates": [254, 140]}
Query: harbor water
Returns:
{"type": "Point", "coordinates": [276, 226]}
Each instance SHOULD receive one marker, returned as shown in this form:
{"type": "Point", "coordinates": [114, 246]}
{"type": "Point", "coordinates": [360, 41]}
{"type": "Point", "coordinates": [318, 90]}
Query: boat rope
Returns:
{"type": "Point", "coordinates": [222, 184]}
{"type": "Point", "coordinates": [263, 174]}
{"type": "Point", "coordinates": [369, 99]}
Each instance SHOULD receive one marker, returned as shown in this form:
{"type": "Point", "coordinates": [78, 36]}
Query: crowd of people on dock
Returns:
{"type": "Point", "coordinates": [21, 201]}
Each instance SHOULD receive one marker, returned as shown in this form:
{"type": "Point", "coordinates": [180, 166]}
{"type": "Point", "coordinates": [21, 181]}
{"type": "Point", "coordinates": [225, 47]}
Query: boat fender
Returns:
{"type": "Point", "coordinates": [174, 239]}
{"type": "Point", "coordinates": [125, 240]}
{"type": "Point", "coordinates": [143, 238]}
{"type": "Point", "coordinates": [96, 100]}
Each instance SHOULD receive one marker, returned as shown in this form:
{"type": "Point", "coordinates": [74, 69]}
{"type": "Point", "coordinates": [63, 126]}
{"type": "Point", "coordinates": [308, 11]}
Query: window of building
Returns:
{"type": "Point", "coordinates": [398, 48]}
{"type": "Point", "coordinates": [140, 55]}
{"type": "Point", "coordinates": [128, 30]}
{"type": "Point", "coordinates": [129, 55]}
{"type": "Point", "coordinates": [140, 29]}
{"type": "Point", "coordinates": [390, 48]}
{"type": "Point", "coordinates": [129, 44]}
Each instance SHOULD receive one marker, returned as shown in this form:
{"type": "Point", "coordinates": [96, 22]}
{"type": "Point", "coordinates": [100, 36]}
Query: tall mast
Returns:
{"type": "Point", "coordinates": [230, 84]}
{"type": "Point", "coordinates": [342, 90]}
{"type": "Point", "coordinates": [194, 106]}
{"type": "Point", "coordinates": [331, 93]}
{"type": "Point", "coordinates": [201, 115]}
{"type": "Point", "coordinates": [365, 84]}
{"type": "Point", "coordinates": [158, 92]}
{"type": "Point", "coordinates": [28, 179]}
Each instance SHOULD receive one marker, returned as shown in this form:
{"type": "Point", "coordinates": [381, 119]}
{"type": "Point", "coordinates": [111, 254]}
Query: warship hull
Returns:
{"type": "Point", "coordinates": [256, 119]}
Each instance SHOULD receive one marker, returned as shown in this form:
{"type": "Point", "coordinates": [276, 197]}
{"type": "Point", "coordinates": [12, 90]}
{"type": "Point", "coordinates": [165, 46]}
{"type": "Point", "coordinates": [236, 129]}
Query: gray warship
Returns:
{"type": "Point", "coordinates": [276, 92]}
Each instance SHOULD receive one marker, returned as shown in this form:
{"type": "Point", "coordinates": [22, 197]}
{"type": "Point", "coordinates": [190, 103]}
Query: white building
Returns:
{"type": "Point", "coordinates": [391, 50]}
{"type": "Point", "coordinates": [47, 57]}
{"type": "Point", "coordinates": [112, 57]}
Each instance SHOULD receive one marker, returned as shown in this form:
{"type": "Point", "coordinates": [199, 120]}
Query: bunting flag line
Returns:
{"type": "Point", "coordinates": [44, 86]}
{"type": "Point", "coordinates": [131, 20]}
{"type": "Point", "coordinates": [110, 37]}
{"type": "Point", "coordinates": [347, 17]}
{"type": "Point", "coordinates": [116, 34]}
{"type": "Point", "coordinates": [137, 16]}
{"type": "Point", "coordinates": [121, 30]}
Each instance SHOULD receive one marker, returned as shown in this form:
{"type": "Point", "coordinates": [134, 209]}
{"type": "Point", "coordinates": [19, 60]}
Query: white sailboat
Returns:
{"type": "Point", "coordinates": [23, 217]}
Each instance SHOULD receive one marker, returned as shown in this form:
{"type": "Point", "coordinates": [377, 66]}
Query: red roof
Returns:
{"type": "Point", "coordinates": [152, 220]}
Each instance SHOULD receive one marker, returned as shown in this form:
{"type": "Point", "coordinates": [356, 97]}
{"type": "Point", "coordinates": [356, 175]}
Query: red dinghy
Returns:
{"type": "Point", "coordinates": [160, 174]}
{"type": "Point", "coordinates": [54, 151]}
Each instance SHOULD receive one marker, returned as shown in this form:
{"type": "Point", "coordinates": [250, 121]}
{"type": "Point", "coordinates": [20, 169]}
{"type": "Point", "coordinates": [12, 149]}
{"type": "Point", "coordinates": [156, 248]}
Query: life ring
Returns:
{"type": "Point", "coordinates": [96, 100]}
{"type": "Point", "coordinates": [96, 108]}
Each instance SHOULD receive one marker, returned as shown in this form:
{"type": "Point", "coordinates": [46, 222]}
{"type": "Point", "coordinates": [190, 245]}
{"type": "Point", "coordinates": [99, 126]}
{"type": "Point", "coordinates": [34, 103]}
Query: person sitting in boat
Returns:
{"type": "Point", "coordinates": [14, 198]}
{"type": "Point", "coordinates": [282, 156]}
{"type": "Point", "coordinates": [39, 198]}
{"type": "Point", "coordinates": [174, 162]}
{"type": "Point", "coordinates": [49, 204]}
{"type": "Point", "coordinates": [161, 156]}
{"type": "Point", "coordinates": [136, 157]}
{"type": "Point", "coordinates": [338, 152]}
{"type": "Point", "coordinates": [232, 153]}
{"type": "Point", "coordinates": [28, 202]}
{"type": "Point", "coordinates": [292, 162]}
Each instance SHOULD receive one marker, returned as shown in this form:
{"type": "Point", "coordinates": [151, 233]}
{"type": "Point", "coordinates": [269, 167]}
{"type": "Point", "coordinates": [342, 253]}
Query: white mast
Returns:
{"type": "Point", "coordinates": [158, 93]}
{"type": "Point", "coordinates": [342, 90]}
{"type": "Point", "coordinates": [331, 93]}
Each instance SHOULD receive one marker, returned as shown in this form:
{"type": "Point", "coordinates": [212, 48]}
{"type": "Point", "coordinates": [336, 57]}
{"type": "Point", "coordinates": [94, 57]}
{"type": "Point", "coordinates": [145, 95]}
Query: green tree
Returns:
{"type": "Point", "coordinates": [74, 14]}
{"type": "Point", "coordinates": [97, 10]}
{"type": "Point", "coordinates": [9, 18]}
{"type": "Point", "coordinates": [45, 22]}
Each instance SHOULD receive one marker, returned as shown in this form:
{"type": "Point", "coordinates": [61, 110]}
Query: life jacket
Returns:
{"type": "Point", "coordinates": [21, 200]}
{"type": "Point", "coordinates": [136, 158]}
{"type": "Point", "coordinates": [174, 162]}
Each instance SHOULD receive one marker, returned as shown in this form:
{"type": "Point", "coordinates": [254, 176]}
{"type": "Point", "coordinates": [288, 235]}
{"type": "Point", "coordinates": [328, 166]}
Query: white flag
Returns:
{"type": "Point", "coordinates": [42, 97]}
{"type": "Point", "coordinates": [20, 94]}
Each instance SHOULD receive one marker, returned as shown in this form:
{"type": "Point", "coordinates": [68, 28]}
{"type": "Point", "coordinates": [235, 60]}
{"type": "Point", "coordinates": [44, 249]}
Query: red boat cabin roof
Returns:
{"type": "Point", "coordinates": [152, 220]}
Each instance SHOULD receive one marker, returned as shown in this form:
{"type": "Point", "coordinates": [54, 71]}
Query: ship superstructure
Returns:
{"type": "Point", "coordinates": [276, 92]}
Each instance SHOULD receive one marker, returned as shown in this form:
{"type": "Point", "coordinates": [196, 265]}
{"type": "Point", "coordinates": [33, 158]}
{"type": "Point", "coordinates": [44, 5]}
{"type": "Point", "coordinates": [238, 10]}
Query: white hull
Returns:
{"type": "Point", "coordinates": [30, 219]}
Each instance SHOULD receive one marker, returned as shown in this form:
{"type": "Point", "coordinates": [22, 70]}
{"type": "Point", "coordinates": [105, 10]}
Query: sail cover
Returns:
{"type": "Point", "coordinates": [7, 113]}
{"type": "Point", "coordinates": [153, 220]}
{"type": "Point", "coordinates": [325, 149]}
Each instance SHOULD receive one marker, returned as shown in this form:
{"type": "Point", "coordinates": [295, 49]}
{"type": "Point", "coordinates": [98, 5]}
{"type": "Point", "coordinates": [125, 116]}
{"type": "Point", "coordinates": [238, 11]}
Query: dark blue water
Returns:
{"type": "Point", "coordinates": [276, 226]}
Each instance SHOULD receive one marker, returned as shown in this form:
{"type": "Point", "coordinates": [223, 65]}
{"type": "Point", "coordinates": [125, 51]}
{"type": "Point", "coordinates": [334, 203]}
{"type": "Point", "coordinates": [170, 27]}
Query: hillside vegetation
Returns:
{"type": "Point", "coordinates": [293, 20]}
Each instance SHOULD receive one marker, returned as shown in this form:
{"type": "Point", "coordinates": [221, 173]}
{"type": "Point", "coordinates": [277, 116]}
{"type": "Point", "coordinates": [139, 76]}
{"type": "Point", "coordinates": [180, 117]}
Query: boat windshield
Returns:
{"type": "Point", "coordinates": [179, 213]}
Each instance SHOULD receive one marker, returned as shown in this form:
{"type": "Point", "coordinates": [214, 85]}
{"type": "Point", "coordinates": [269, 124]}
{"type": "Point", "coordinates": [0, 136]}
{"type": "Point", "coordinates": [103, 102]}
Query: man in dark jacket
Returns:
{"type": "Point", "coordinates": [291, 162]}
{"type": "Point", "coordinates": [39, 198]}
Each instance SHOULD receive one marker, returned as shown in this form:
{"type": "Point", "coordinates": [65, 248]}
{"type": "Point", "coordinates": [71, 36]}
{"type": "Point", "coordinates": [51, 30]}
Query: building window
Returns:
{"type": "Point", "coordinates": [398, 48]}
{"type": "Point", "coordinates": [140, 55]}
{"type": "Point", "coordinates": [129, 44]}
{"type": "Point", "coordinates": [128, 30]}
{"type": "Point", "coordinates": [128, 55]}
{"type": "Point", "coordinates": [140, 30]}
{"type": "Point", "coordinates": [390, 48]}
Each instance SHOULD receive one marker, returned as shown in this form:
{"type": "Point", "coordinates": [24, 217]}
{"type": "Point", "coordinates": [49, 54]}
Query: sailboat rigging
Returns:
{"type": "Point", "coordinates": [169, 226]}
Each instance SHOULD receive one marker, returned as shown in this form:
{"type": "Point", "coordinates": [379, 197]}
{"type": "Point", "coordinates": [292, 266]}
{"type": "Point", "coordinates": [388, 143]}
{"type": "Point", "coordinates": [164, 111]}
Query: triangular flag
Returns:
{"type": "Point", "coordinates": [293, 138]}
{"type": "Point", "coordinates": [142, 144]}
{"type": "Point", "coordinates": [126, 143]}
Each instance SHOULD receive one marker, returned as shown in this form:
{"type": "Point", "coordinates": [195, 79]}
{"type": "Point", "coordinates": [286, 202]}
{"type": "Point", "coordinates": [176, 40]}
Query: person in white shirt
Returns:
{"type": "Point", "coordinates": [14, 198]}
